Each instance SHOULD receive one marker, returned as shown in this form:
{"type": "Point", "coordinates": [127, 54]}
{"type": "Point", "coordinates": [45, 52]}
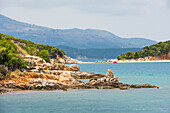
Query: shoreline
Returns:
{"type": "Point", "coordinates": [41, 82]}
{"type": "Point", "coordinates": [143, 61]}
{"type": "Point", "coordinates": [158, 61]}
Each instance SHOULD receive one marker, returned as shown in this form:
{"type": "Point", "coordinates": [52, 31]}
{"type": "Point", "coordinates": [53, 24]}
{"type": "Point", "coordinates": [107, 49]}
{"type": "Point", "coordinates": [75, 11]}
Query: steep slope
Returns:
{"type": "Point", "coordinates": [77, 38]}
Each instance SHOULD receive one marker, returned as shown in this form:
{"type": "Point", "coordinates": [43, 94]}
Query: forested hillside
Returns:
{"type": "Point", "coordinates": [158, 49]}
{"type": "Point", "coordinates": [35, 49]}
{"type": "Point", "coordinates": [10, 56]}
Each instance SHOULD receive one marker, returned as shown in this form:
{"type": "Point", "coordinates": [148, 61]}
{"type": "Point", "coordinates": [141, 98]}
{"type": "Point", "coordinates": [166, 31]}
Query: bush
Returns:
{"type": "Point", "coordinates": [45, 55]}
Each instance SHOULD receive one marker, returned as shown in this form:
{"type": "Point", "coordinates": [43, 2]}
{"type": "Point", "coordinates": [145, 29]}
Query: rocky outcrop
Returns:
{"type": "Point", "coordinates": [109, 74]}
{"type": "Point", "coordinates": [34, 81]}
{"type": "Point", "coordinates": [85, 75]}
{"type": "Point", "coordinates": [75, 74]}
{"type": "Point", "coordinates": [109, 83]}
{"type": "Point", "coordinates": [3, 70]}
{"type": "Point", "coordinates": [67, 60]}
{"type": "Point", "coordinates": [108, 61]}
{"type": "Point", "coordinates": [38, 65]}
{"type": "Point", "coordinates": [63, 81]}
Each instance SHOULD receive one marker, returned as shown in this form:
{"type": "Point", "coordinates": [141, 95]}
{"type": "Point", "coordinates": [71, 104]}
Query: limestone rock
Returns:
{"type": "Point", "coordinates": [74, 68]}
{"type": "Point", "coordinates": [109, 74]}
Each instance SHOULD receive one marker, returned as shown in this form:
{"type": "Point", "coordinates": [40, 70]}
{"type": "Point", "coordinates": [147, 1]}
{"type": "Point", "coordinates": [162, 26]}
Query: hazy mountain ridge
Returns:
{"type": "Point", "coordinates": [96, 53]}
{"type": "Point", "coordinates": [77, 38]}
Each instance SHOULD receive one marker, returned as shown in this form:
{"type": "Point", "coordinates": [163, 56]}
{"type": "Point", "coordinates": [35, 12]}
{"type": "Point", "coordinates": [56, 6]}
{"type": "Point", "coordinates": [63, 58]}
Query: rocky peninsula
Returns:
{"type": "Point", "coordinates": [25, 65]}
{"type": "Point", "coordinates": [42, 75]}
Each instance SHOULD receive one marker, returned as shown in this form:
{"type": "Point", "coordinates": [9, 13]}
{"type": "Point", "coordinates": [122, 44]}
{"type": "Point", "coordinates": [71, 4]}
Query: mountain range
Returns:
{"type": "Point", "coordinates": [76, 38]}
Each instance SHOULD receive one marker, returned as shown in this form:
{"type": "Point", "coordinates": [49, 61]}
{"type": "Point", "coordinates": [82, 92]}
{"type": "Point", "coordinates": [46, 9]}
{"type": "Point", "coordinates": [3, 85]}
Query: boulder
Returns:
{"type": "Point", "coordinates": [74, 68]}
{"type": "Point", "coordinates": [3, 70]}
{"type": "Point", "coordinates": [110, 74]}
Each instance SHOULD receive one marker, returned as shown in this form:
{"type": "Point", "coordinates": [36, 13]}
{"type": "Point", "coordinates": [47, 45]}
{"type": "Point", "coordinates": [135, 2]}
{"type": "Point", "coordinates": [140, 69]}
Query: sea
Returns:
{"type": "Point", "coordinates": [145, 100]}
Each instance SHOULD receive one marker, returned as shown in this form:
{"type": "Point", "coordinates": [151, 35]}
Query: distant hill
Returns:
{"type": "Point", "coordinates": [77, 38]}
{"type": "Point", "coordinates": [100, 53]}
{"type": "Point", "coordinates": [160, 50]}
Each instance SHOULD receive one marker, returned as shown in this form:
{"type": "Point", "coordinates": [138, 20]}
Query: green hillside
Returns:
{"type": "Point", "coordinates": [158, 49]}
{"type": "Point", "coordinates": [34, 49]}
{"type": "Point", "coordinates": [11, 50]}
{"type": "Point", "coordinates": [9, 55]}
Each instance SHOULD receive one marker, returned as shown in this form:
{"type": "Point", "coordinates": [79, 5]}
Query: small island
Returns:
{"type": "Point", "coordinates": [25, 65]}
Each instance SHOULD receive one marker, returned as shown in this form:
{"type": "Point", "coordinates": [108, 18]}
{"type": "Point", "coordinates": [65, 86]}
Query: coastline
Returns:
{"type": "Point", "coordinates": [80, 62]}
{"type": "Point", "coordinates": [133, 61]}
{"type": "Point", "coordinates": [42, 82]}
{"type": "Point", "coordinates": [126, 61]}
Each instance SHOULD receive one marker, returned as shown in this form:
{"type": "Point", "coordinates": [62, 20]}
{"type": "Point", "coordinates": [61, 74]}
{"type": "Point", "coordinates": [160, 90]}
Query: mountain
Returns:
{"type": "Point", "coordinates": [77, 38]}
{"type": "Point", "coordinates": [98, 53]}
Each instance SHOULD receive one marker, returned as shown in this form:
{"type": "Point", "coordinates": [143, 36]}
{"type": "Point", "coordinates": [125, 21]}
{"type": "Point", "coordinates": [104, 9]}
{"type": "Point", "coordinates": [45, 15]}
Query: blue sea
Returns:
{"type": "Point", "coordinates": [100, 100]}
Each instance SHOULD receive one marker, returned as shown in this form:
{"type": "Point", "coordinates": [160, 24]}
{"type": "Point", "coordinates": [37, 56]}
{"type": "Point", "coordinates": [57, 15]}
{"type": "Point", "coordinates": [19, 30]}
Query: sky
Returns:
{"type": "Point", "coordinates": [125, 18]}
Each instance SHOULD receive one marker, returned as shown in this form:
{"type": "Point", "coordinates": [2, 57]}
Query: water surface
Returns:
{"type": "Point", "coordinates": [100, 100]}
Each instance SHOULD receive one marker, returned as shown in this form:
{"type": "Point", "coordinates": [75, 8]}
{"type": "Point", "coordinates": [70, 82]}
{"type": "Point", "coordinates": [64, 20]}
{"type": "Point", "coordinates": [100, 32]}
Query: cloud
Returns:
{"type": "Point", "coordinates": [109, 7]}
{"type": "Point", "coordinates": [126, 18]}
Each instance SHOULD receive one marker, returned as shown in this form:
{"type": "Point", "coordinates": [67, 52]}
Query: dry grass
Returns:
{"type": "Point", "coordinates": [21, 51]}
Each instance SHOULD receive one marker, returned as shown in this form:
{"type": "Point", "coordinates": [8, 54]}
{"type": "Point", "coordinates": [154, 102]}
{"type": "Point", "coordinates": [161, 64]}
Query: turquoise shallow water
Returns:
{"type": "Point", "coordinates": [100, 101]}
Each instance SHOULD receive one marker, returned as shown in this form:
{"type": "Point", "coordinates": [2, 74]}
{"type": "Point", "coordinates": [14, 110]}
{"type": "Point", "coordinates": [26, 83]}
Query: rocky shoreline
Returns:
{"type": "Point", "coordinates": [131, 60]}
{"type": "Point", "coordinates": [41, 75]}
{"type": "Point", "coordinates": [37, 81]}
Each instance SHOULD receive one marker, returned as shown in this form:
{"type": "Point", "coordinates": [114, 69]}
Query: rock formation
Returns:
{"type": "Point", "coordinates": [109, 74]}
{"type": "Point", "coordinates": [34, 81]}
{"type": "Point", "coordinates": [67, 60]}
{"type": "Point", "coordinates": [41, 75]}
{"type": "Point", "coordinates": [38, 65]}
{"type": "Point", "coordinates": [109, 82]}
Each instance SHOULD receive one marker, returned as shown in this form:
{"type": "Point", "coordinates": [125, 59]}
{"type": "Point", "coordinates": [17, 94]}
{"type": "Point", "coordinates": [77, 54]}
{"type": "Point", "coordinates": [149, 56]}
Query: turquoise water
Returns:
{"type": "Point", "coordinates": [101, 100]}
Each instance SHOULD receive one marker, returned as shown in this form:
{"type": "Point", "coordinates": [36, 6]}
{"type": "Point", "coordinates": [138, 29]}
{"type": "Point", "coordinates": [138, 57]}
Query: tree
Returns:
{"type": "Point", "coordinates": [32, 51]}
{"type": "Point", "coordinates": [136, 55]}
{"type": "Point", "coordinates": [119, 57]}
{"type": "Point", "coordinates": [44, 54]}
{"type": "Point", "coordinates": [53, 53]}
{"type": "Point", "coordinates": [129, 55]}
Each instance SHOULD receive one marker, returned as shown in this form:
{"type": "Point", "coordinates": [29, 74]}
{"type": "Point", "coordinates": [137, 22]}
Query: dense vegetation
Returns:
{"type": "Point", "coordinates": [44, 54]}
{"type": "Point", "coordinates": [9, 55]}
{"type": "Point", "coordinates": [35, 49]}
{"type": "Point", "coordinates": [158, 49]}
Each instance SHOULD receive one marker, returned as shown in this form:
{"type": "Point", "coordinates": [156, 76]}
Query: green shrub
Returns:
{"type": "Point", "coordinates": [44, 54]}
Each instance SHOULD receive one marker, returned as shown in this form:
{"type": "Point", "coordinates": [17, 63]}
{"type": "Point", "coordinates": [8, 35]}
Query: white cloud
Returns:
{"type": "Point", "coordinates": [128, 18]}
{"type": "Point", "coordinates": [111, 7]}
